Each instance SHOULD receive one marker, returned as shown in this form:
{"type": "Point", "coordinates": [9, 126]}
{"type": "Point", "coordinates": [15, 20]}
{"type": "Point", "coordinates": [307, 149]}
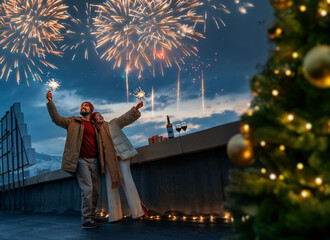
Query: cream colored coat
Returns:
{"type": "Point", "coordinates": [122, 145]}
{"type": "Point", "coordinates": [115, 144]}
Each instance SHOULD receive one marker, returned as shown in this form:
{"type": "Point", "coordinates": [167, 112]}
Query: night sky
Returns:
{"type": "Point", "coordinates": [228, 57]}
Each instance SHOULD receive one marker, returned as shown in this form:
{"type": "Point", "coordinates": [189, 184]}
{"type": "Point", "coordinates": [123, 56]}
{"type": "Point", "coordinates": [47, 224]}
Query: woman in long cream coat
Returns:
{"type": "Point", "coordinates": [116, 152]}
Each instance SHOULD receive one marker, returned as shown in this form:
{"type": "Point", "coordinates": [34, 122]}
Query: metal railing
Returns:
{"type": "Point", "coordinates": [13, 154]}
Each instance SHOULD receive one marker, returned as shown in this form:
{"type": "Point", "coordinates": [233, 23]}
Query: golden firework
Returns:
{"type": "Point", "coordinates": [28, 32]}
{"type": "Point", "coordinates": [78, 38]}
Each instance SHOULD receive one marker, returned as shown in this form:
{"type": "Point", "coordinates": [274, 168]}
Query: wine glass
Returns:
{"type": "Point", "coordinates": [184, 127]}
{"type": "Point", "coordinates": [178, 127]}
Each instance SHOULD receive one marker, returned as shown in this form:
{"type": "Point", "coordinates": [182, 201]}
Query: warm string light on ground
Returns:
{"type": "Point", "coordinates": [226, 218]}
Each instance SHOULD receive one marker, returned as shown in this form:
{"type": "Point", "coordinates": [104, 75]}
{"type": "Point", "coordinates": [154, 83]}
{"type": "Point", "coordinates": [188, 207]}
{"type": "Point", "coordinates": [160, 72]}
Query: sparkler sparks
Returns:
{"type": "Point", "coordinates": [28, 32]}
{"type": "Point", "coordinates": [53, 84]}
{"type": "Point", "coordinates": [79, 38]}
{"type": "Point", "coordinates": [139, 93]}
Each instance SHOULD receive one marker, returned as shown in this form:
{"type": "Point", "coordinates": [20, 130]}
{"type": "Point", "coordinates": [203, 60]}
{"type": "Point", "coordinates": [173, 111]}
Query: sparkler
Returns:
{"type": "Point", "coordinates": [139, 93]}
{"type": "Point", "coordinates": [79, 38]}
{"type": "Point", "coordinates": [28, 32]}
{"type": "Point", "coordinates": [53, 84]}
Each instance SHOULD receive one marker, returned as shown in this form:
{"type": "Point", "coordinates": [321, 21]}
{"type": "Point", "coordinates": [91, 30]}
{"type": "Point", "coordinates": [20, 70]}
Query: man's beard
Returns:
{"type": "Point", "coordinates": [84, 113]}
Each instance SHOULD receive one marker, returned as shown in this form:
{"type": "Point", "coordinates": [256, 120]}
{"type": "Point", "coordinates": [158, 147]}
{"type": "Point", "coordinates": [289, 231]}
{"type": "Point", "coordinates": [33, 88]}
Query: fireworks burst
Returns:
{"type": "Point", "coordinates": [28, 32]}
{"type": "Point", "coordinates": [212, 9]}
{"type": "Point", "coordinates": [142, 32]}
{"type": "Point", "coordinates": [168, 30]}
{"type": "Point", "coordinates": [79, 38]}
{"type": "Point", "coordinates": [242, 7]}
{"type": "Point", "coordinates": [117, 32]}
{"type": "Point", "coordinates": [53, 84]}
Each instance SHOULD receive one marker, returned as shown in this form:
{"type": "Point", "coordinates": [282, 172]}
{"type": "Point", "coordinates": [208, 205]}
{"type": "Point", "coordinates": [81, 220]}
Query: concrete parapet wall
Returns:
{"type": "Point", "coordinates": [186, 174]}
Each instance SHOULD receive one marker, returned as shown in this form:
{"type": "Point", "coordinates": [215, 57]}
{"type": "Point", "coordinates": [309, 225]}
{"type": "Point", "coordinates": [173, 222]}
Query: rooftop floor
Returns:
{"type": "Point", "coordinates": [32, 226]}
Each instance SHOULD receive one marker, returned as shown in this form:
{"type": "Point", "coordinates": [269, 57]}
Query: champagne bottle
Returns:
{"type": "Point", "coordinates": [169, 128]}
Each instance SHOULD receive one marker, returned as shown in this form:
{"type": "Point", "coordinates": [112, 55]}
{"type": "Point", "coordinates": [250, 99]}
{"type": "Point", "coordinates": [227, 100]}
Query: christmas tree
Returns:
{"type": "Point", "coordinates": [286, 131]}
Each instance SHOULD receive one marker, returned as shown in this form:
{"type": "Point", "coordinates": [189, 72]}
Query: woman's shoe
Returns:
{"type": "Point", "coordinates": [145, 210]}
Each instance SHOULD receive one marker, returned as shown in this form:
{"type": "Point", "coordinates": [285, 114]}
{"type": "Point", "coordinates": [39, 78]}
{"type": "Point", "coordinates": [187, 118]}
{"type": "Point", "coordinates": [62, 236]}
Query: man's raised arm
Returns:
{"type": "Point", "coordinates": [56, 118]}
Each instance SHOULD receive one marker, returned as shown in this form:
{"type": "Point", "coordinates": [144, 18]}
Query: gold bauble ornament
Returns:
{"type": "Point", "coordinates": [281, 4]}
{"type": "Point", "coordinates": [240, 151]}
{"type": "Point", "coordinates": [316, 66]}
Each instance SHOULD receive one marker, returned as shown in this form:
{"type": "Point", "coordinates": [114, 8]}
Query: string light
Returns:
{"type": "Point", "coordinates": [290, 117]}
{"type": "Point", "coordinates": [272, 176]}
{"type": "Point", "coordinates": [288, 72]}
{"type": "Point", "coordinates": [328, 1]}
{"type": "Point", "coordinates": [245, 128]}
{"type": "Point", "coordinates": [308, 126]}
{"type": "Point", "coordinates": [282, 148]}
{"type": "Point", "coordinates": [263, 170]}
{"type": "Point", "coordinates": [262, 143]}
{"type": "Point", "coordinates": [281, 177]}
{"type": "Point", "coordinates": [295, 55]}
{"type": "Point", "coordinates": [278, 32]}
{"type": "Point", "coordinates": [275, 92]}
{"type": "Point", "coordinates": [257, 108]}
{"type": "Point", "coordinates": [300, 166]}
{"type": "Point", "coordinates": [323, 12]}
{"type": "Point", "coordinates": [305, 193]}
{"type": "Point", "coordinates": [318, 181]}
{"type": "Point", "coordinates": [302, 8]}
{"type": "Point", "coordinates": [276, 71]}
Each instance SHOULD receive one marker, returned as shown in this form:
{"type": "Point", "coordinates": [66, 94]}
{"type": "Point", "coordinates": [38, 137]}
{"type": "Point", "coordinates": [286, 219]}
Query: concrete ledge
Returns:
{"type": "Point", "coordinates": [47, 177]}
{"type": "Point", "coordinates": [195, 142]}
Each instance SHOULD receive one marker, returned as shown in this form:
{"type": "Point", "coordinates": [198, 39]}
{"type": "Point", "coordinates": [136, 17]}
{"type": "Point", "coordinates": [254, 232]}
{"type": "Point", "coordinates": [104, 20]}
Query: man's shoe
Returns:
{"type": "Point", "coordinates": [90, 224]}
{"type": "Point", "coordinates": [100, 220]}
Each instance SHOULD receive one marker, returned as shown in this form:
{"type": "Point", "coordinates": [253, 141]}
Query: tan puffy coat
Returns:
{"type": "Point", "coordinates": [118, 143]}
{"type": "Point", "coordinates": [75, 132]}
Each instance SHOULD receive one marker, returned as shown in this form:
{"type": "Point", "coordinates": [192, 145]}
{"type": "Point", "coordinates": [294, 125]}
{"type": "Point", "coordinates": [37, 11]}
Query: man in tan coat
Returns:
{"type": "Point", "coordinates": [115, 163]}
{"type": "Point", "coordinates": [80, 157]}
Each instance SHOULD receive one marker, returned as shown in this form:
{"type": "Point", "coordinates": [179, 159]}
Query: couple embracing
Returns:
{"type": "Point", "coordinates": [95, 147]}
